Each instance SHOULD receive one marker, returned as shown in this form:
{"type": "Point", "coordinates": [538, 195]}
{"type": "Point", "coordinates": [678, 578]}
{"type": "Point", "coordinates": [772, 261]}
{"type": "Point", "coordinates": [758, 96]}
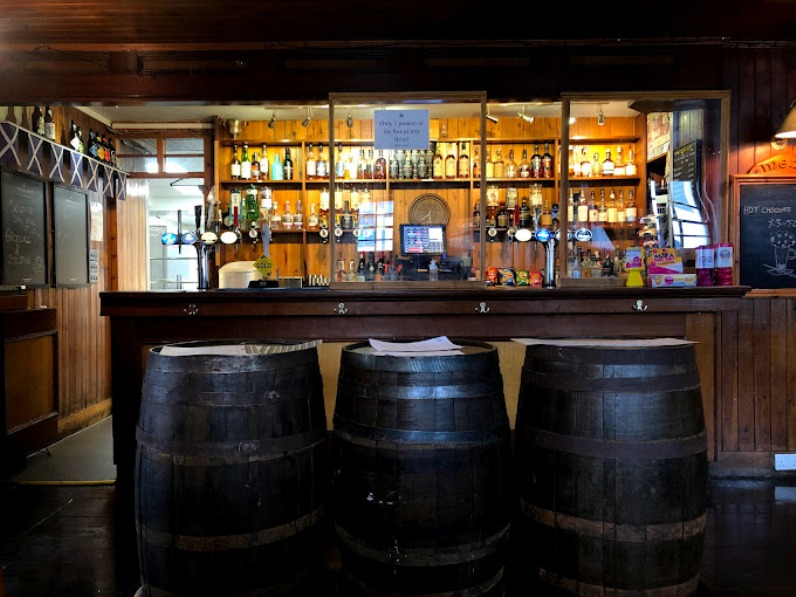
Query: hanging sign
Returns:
{"type": "Point", "coordinates": [400, 129]}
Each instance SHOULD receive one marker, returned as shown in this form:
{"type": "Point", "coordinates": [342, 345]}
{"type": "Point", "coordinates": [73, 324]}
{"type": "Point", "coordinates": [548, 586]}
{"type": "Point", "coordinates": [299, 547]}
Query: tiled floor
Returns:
{"type": "Point", "coordinates": [70, 541]}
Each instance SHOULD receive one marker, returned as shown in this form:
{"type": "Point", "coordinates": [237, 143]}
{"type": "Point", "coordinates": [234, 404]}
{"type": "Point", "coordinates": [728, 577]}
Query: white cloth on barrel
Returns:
{"type": "Point", "coordinates": [440, 346]}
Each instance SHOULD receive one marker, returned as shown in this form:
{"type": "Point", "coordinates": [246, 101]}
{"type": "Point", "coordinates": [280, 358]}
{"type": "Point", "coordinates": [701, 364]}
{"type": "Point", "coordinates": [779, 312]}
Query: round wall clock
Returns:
{"type": "Point", "coordinates": [429, 209]}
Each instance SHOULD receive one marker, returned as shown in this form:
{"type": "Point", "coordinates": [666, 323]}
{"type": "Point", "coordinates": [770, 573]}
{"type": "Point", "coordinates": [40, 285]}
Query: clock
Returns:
{"type": "Point", "coordinates": [429, 209]}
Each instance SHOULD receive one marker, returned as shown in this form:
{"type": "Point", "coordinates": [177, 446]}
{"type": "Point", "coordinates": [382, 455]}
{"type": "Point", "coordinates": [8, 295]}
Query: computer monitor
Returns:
{"type": "Point", "coordinates": [424, 239]}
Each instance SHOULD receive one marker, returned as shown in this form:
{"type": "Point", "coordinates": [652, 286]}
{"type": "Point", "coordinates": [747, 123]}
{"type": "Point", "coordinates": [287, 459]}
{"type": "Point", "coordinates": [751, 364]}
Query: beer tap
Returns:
{"type": "Point", "coordinates": [548, 238]}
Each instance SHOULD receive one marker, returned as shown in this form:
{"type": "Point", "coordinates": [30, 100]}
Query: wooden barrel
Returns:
{"type": "Point", "coordinates": [231, 476]}
{"type": "Point", "coordinates": [421, 472]}
{"type": "Point", "coordinates": [611, 467]}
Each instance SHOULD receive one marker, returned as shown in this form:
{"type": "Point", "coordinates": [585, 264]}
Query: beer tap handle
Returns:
{"type": "Point", "coordinates": [197, 210]}
{"type": "Point", "coordinates": [179, 231]}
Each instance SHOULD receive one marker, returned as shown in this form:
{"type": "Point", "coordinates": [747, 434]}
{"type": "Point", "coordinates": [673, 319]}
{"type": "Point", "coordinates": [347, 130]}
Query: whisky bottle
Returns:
{"type": "Point", "coordinates": [502, 216]}
{"type": "Point", "coordinates": [339, 162]}
{"type": "Point", "coordinates": [421, 172]}
{"type": "Point", "coordinates": [525, 214]}
{"type": "Point", "coordinates": [323, 208]}
{"type": "Point", "coordinates": [619, 165]}
{"type": "Point", "coordinates": [477, 215]}
{"type": "Point", "coordinates": [594, 214]}
{"type": "Point", "coordinates": [574, 165]}
{"type": "Point", "coordinates": [49, 124]}
{"type": "Point", "coordinates": [245, 164]}
{"type": "Point", "coordinates": [255, 167]}
{"type": "Point", "coordinates": [310, 164]}
{"type": "Point", "coordinates": [499, 165]}
{"type": "Point", "coordinates": [621, 213]}
{"type": "Point", "coordinates": [321, 165]}
{"type": "Point", "coordinates": [37, 121]}
{"type": "Point", "coordinates": [395, 168]}
{"type": "Point", "coordinates": [536, 162]}
{"type": "Point", "coordinates": [367, 169]}
{"type": "Point", "coordinates": [298, 216]}
{"type": "Point", "coordinates": [547, 162]}
{"type": "Point", "coordinates": [251, 204]}
{"type": "Point", "coordinates": [380, 167]}
{"type": "Point", "coordinates": [631, 211]}
{"type": "Point", "coordinates": [630, 166]}
{"type": "Point", "coordinates": [464, 162]}
{"type": "Point", "coordinates": [314, 218]}
{"type": "Point", "coordinates": [265, 169]}
{"type": "Point", "coordinates": [602, 210]}
{"type": "Point", "coordinates": [450, 162]}
{"type": "Point", "coordinates": [234, 167]}
{"type": "Point", "coordinates": [287, 166]}
{"type": "Point", "coordinates": [612, 211]}
{"type": "Point", "coordinates": [437, 164]}
{"type": "Point", "coordinates": [583, 209]}
{"type": "Point", "coordinates": [276, 219]}
{"type": "Point", "coordinates": [74, 139]}
{"type": "Point", "coordinates": [81, 147]}
{"type": "Point", "coordinates": [490, 165]}
{"type": "Point", "coordinates": [596, 168]}
{"type": "Point", "coordinates": [476, 169]}
{"type": "Point", "coordinates": [608, 164]}
{"type": "Point", "coordinates": [287, 216]}
{"type": "Point", "coordinates": [346, 218]}
{"type": "Point", "coordinates": [585, 164]}
{"type": "Point", "coordinates": [525, 165]}
{"type": "Point", "coordinates": [511, 166]}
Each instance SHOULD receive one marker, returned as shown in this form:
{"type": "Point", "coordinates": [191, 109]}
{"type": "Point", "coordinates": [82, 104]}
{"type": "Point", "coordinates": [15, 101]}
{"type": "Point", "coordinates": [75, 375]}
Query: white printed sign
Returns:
{"type": "Point", "coordinates": [400, 129]}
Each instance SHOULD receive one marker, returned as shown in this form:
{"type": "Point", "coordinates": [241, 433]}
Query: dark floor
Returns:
{"type": "Point", "coordinates": [66, 541]}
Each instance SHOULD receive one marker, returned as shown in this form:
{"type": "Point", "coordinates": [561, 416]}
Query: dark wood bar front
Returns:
{"type": "Point", "coordinates": [142, 320]}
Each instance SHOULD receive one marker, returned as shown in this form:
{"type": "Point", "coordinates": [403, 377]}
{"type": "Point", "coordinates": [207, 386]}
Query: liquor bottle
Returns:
{"type": "Point", "coordinates": [323, 208]}
{"type": "Point", "coordinates": [575, 163]}
{"type": "Point", "coordinates": [112, 147]}
{"type": "Point", "coordinates": [37, 121]}
{"type": "Point", "coordinates": [499, 165]}
{"type": "Point", "coordinates": [245, 164]}
{"type": "Point", "coordinates": [346, 218]}
{"type": "Point", "coordinates": [536, 162]}
{"type": "Point", "coordinates": [49, 124]}
{"type": "Point", "coordinates": [621, 210]}
{"type": "Point", "coordinates": [525, 165]}
{"type": "Point", "coordinates": [277, 168]}
{"type": "Point", "coordinates": [380, 167]}
{"type": "Point", "coordinates": [571, 209]}
{"type": "Point", "coordinates": [511, 166]}
{"type": "Point", "coordinates": [314, 218]}
{"type": "Point", "coordinates": [235, 201]}
{"type": "Point", "coordinates": [476, 164]}
{"type": "Point", "coordinates": [573, 264]}
{"type": "Point", "coordinates": [619, 164]}
{"type": "Point", "coordinates": [594, 214]}
{"type": "Point", "coordinates": [81, 146]}
{"type": "Point", "coordinates": [477, 215]}
{"type": "Point", "coordinates": [546, 217]}
{"type": "Point", "coordinates": [490, 165]}
{"type": "Point", "coordinates": [350, 160]}
{"type": "Point", "coordinates": [276, 219]}
{"type": "Point", "coordinates": [322, 164]}
{"type": "Point", "coordinates": [583, 209]}
{"type": "Point", "coordinates": [298, 216]}
{"type": "Point", "coordinates": [251, 204]}
{"type": "Point", "coordinates": [547, 162]}
{"type": "Point", "coordinates": [585, 164]}
{"type": "Point", "coordinates": [74, 139]}
{"type": "Point", "coordinates": [612, 215]}
{"type": "Point", "coordinates": [234, 167]}
{"type": "Point", "coordinates": [450, 161]}
{"type": "Point", "coordinates": [407, 166]}
{"type": "Point", "coordinates": [100, 147]}
{"type": "Point", "coordinates": [437, 163]}
{"type": "Point", "coordinates": [287, 165]}
{"type": "Point", "coordinates": [265, 168]}
{"type": "Point", "coordinates": [502, 217]}
{"type": "Point", "coordinates": [422, 166]}
{"type": "Point", "coordinates": [490, 218]}
{"type": "Point", "coordinates": [91, 148]}
{"type": "Point", "coordinates": [607, 269]}
{"type": "Point", "coordinates": [339, 162]}
{"type": "Point", "coordinates": [602, 210]}
{"type": "Point", "coordinates": [630, 166]}
{"type": "Point", "coordinates": [361, 164]}
{"type": "Point", "coordinates": [310, 169]}
{"type": "Point", "coordinates": [525, 214]}
{"type": "Point", "coordinates": [367, 170]}
{"type": "Point", "coordinates": [631, 211]}
{"type": "Point", "coordinates": [464, 162]}
{"type": "Point", "coordinates": [608, 164]}
{"type": "Point", "coordinates": [395, 168]}
{"type": "Point", "coordinates": [255, 167]}
{"type": "Point", "coordinates": [287, 216]}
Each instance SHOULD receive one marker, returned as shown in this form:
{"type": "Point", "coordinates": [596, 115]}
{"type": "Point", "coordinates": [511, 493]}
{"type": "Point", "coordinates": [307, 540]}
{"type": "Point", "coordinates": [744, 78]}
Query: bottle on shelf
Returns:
{"type": "Point", "coordinates": [321, 164]}
{"type": "Point", "coordinates": [612, 210]}
{"type": "Point", "coordinates": [477, 215]}
{"type": "Point", "coordinates": [408, 169]}
{"type": "Point", "coordinates": [489, 166]}
{"type": "Point", "coordinates": [81, 147]}
{"type": "Point", "coordinates": [546, 217]}
{"type": "Point", "coordinates": [287, 216]}
{"type": "Point", "coordinates": [362, 165]}
{"type": "Point", "coordinates": [574, 165]}
{"type": "Point", "coordinates": [524, 170]}
{"type": "Point", "coordinates": [380, 166]}
{"type": "Point", "coordinates": [594, 214]}
{"type": "Point", "coordinates": [310, 163]}
{"type": "Point", "coordinates": [265, 169]}
{"type": "Point", "coordinates": [464, 162]}
{"type": "Point", "coordinates": [583, 208]}
{"type": "Point", "coordinates": [536, 162]}
{"type": "Point", "coordinates": [585, 164]}
{"type": "Point", "coordinates": [631, 211]}
{"type": "Point", "coordinates": [346, 218]}
{"type": "Point", "coordinates": [339, 163]}
{"type": "Point", "coordinates": [476, 168]}
{"type": "Point", "coordinates": [74, 140]}
{"type": "Point", "coordinates": [630, 165]}
{"type": "Point", "coordinates": [234, 170]}
{"type": "Point", "coordinates": [49, 124]}
{"type": "Point", "coordinates": [525, 214]}
{"type": "Point", "coordinates": [37, 121]}
{"type": "Point", "coordinates": [608, 164]}
{"type": "Point", "coordinates": [287, 165]}
{"type": "Point", "coordinates": [571, 209]}
{"type": "Point", "coordinates": [245, 163]}
{"type": "Point", "coordinates": [367, 171]}
{"type": "Point", "coordinates": [314, 218]}
{"type": "Point", "coordinates": [621, 211]}
{"type": "Point", "coordinates": [602, 210]}
{"type": "Point", "coordinates": [450, 162]}
{"type": "Point", "coordinates": [511, 165]}
{"type": "Point", "coordinates": [547, 162]}
{"type": "Point", "coordinates": [490, 218]}
{"type": "Point", "coordinates": [255, 166]}
{"type": "Point", "coordinates": [276, 219]}
{"type": "Point", "coordinates": [298, 216]}
{"type": "Point", "coordinates": [323, 209]}
{"type": "Point", "coordinates": [596, 167]}
{"type": "Point", "coordinates": [437, 163]}
{"type": "Point", "coordinates": [251, 204]}
{"type": "Point", "coordinates": [502, 217]}
{"type": "Point", "coordinates": [619, 164]}
{"type": "Point", "coordinates": [350, 160]}
{"type": "Point", "coordinates": [499, 165]}
{"type": "Point", "coordinates": [421, 172]}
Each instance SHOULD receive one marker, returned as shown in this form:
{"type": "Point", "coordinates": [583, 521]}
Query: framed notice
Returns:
{"type": "Point", "coordinates": [765, 231]}
{"type": "Point", "coordinates": [23, 219]}
{"type": "Point", "coordinates": [70, 226]}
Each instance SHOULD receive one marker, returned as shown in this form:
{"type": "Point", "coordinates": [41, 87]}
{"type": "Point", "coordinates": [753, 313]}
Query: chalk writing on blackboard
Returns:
{"type": "Point", "coordinates": [24, 242]}
{"type": "Point", "coordinates": [767, 235]}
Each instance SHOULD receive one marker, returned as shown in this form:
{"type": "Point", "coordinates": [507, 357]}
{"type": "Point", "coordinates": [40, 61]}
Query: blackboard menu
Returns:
{"type": "Point", "coordinates": [766, 236]}
{"type": "Point", "coordinates": [686, 165]}
{"type": "Point", "coordinates": [23, 219]}
{"type": "Point", "coordinates": [70, 222]}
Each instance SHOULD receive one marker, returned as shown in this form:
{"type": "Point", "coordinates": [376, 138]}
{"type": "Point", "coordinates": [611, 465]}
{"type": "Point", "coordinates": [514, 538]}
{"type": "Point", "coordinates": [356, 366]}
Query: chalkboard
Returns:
{"type": "Point", "coordinates": [23, 220]}
{"type": "Point", "coordinates": [70, 223]}
{"type": "Point", "coordinates": [766, 238]}
{"type": "Point", "coordinates": [686, 165]}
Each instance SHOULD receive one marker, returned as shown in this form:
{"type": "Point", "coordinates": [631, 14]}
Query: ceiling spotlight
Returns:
{"type": "Point", "coordinates": [272, 122]}
{"type": "Point", "coordinates": [600, 116]}
{"type": "Point", "coordinates": [524, 116]}
{"type": "Point", "coordinates": [571, 120]}
{"type": "Point", "coordinates": [349, 121]}
{"type": "Point", "coordinates": [306, 122]}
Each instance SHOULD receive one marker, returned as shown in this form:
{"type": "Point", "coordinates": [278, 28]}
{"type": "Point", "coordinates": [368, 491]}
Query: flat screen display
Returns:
{"type": "Point", "coordinates": [424, 239]}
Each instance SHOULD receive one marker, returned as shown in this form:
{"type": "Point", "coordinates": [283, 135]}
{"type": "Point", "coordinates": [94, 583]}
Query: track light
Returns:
{"type": "Point", "coordinates": [272, 122]}
{"type": "Point", "coordinates": [349, 121]}
{"type": "Point", "coordinates": [524, 116]}
{"type": "Point", "coordinates": [306, 122]}
{"type": "Point", "coordinates": [600, 116]}
{"type": "Point", "coordinates": [491, 118]}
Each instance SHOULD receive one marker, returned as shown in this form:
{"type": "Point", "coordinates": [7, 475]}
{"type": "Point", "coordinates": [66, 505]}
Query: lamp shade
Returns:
{"type": "Point", "coordinates": [787, 129]}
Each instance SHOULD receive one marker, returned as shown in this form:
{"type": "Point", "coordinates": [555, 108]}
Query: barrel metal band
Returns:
{"type": "Point", "coordinates": [672, 531]}
{"type": "Point", "coordinates": [686, 381]}
{"type": "Point", "coordinates": [426, 557]}
{"type": "Point", "coordinates": [577, 587]}
{"type": "Point", "coordinates": [195, 452]}
{"type": "Point", "coordinates": [227, 542]}
{"type": "Point", "coordinates": [367, 436]}
{"type": "Point", "coordinates": [606, 448]}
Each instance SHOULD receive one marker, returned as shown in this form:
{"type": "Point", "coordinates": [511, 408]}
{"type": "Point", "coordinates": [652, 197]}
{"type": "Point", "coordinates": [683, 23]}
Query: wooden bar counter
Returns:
{"type": "Point", "coordinates": [142, 320]}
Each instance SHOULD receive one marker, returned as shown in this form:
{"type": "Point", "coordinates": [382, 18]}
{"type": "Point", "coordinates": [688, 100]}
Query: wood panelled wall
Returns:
{"type": "Point", "coordinates": [83, 337]}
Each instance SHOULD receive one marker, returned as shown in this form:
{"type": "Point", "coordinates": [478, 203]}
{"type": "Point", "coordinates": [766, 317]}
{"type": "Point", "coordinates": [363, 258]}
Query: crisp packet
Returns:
{"type": "Point", "coordinates": [536, 278]}
{"type": "Point", "coordinates": [506, 276]}
{"type": "Point", "coordinates": [522, 277]}
{"type": "Point", "coordinates": [492, 276]}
